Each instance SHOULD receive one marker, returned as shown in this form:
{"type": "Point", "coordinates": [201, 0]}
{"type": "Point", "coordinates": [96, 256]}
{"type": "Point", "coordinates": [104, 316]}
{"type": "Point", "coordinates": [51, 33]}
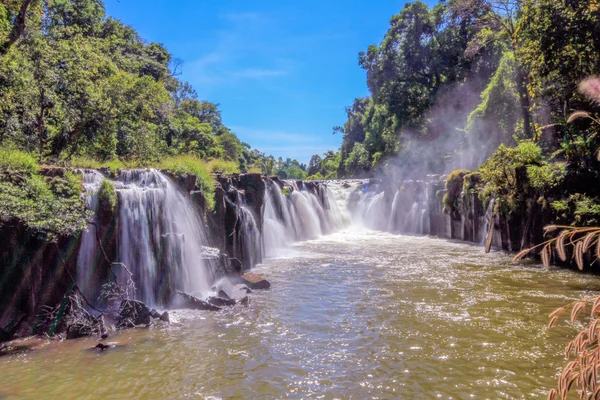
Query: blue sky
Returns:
{"type": "Point", "coordinates": [282, 71]}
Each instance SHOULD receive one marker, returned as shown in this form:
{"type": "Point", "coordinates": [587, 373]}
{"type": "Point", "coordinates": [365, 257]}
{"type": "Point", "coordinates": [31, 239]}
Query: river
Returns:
{"type": "Point", "coordinates": [356, 314]}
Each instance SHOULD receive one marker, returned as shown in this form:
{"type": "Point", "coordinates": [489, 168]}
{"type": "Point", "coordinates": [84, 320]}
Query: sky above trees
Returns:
{"type": "Point", "coordinates": [282, 72]}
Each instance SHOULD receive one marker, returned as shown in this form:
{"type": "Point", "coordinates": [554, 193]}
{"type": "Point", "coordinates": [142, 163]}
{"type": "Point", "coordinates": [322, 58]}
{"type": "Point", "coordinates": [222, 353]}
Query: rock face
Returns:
{"type": "Point", "coordinates": [255, 281]}
{"type": "Point", "coordinates": [33, 276]}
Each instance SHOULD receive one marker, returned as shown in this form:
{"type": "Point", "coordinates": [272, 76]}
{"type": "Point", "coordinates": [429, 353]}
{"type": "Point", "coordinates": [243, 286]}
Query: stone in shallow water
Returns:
{"type": "Point", "coordinates": [165, 317]}
{"type": "Point", "coordinates": [184, 300]}
{"type": "Point", "coordinates": [255, 281]}
{"type": "Point", "coordinates": [77, 330]}
{"type": "Point", "coordinates": [220, 302]}
{"type": "Point", "coordinates": [134, 312]}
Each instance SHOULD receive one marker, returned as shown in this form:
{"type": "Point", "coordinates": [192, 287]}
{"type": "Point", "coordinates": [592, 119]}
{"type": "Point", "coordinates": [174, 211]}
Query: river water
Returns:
{"type": "Point", "coordinates": [356, 314]}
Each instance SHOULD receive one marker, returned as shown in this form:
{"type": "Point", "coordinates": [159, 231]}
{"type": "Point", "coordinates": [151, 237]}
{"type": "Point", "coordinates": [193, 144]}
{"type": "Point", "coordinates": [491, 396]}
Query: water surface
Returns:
{"type": "Point", "coordinates": [351, 315]}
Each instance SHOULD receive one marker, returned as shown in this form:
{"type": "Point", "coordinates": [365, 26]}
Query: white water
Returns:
{"type": "Point", "coordinates": [160, 237]}
{"type": "Point", "coordinates": [87, 257]}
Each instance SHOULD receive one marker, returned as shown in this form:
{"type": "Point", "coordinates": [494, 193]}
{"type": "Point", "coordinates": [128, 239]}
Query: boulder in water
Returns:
{"type": "Point", "coordinates": [255, 281]}
{"type": "Point", "coordinates": [220, 302]}
{"type": "Point", "coordinates": [184, 300]}
{"type": "Point", "coordinates": [78, 330]}
{"type": "Point", "coordinates": [165, 317]}
{"type": "Point", "coordinates": [134, 312]}
{"type": "Point", "coordinates": [245, 301]}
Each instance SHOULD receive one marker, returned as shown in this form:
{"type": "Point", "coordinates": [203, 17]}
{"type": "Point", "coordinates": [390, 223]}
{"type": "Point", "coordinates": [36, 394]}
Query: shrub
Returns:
{"type": "Point", "coordinates": [12, 160]}
{"type": "Point", "coordinates": [107, 199]}
{"type": "Point", "coordinates": [577, 210]}
{"type": "Point", "coordinates": [50, 205]}
{"type": "Point", "coordinates": [454, 185]}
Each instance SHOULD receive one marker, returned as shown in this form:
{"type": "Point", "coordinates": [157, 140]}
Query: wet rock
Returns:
{"type": "Point", "coordinates": [184, 300]}
{"type": "Point", "coordinates": [165, 317]}
{"type": "Point", "coordinates": [78, 330]}
{"type": "Point", "coordinates": [255, 281]}
{"type": "Point", "coordinates": [220, 302]}
{"type": "Point", "coordinates": [236, 264]}
{"type": "Point", "coordinates": [223, 295]}
{"type": "Point", "coordinates": [245, 301]}
{"type": "Point", "coordinates": [133, 312]}
{"type": "Point", "coordinates": [154, 314]}
{"type": "Point", "coordinates": [104, 336]}
{"type": "Point", "coordinates": [102, 346]}
{"type": "Point", "coordinates": [246, 289]}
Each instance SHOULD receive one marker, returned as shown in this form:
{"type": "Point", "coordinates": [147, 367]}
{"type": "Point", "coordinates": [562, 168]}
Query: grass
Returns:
{"type": "Point", "coordinates": [190, 165]}
{"type": "Point", "coordinates": [84, 162]}
{"type": "Point", "coordinates": [224, 167]}
{"type": "Point", "coordinates": [12, 160]}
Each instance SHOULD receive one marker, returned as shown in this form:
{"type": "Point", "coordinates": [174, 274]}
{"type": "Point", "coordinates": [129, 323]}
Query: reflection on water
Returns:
{"type": "Point", "coordinates": [351, 315]}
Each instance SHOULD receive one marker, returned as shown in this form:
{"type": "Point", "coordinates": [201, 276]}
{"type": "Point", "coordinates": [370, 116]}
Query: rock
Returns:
{"type": "Point", "coordinates": [165, 317]}
{"type": "Point", "coordinates": [104, 336]}
{"type": "Point", "coordinates": [154, 314]}
{"type": "Point", "coordinates": [220, 302]}
{"type": "Point", "coordinates": [184, 300]}
{"type": "Point", "coordinates": [133, 312]}
{"type": "Point", "coordinates": [102, 346]}
{"type": "Point", "coordinates": [236, 264]}
{"type": "Point", "coordinates": [221, 294]}
{"type": "Point", "coordinates": [245, 301]}
{"type": "Point", "coordinates": [78, 330]}
{"type": "Point", "coordinates": [255, 281]}
{"type": "Point", "coordinates": [246, 288]}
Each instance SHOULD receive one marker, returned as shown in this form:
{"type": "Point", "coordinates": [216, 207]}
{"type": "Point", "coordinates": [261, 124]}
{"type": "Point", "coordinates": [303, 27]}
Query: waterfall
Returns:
{"type": "Point", "coordinates": [87, 256]}
{"type": "Point", "coordinates": [307, 211]}
{"type": "Point", "coordinates": [161, 237]}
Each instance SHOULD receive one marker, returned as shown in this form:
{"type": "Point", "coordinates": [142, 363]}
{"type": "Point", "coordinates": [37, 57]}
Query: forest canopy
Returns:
{"type": "Point", "coordinates": [80, 88]}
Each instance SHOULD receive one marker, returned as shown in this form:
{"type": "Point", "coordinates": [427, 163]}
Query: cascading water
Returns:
{"type": "Point", "coordinates": [161, 237]}
{"type": "Point", "coordinates": [306, 212]}
{"type": "Point", "coordinates": [87, 257]}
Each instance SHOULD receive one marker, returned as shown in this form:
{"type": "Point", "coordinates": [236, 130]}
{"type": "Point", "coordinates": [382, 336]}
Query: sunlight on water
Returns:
{"type": "Point", "coordinates": [356, 314]}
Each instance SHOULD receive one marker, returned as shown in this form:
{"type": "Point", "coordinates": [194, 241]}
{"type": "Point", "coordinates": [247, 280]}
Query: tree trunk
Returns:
{"type": "Point", "coordinates": [17, 29]}
{"type": "Point", "coordinates": [40, 124]}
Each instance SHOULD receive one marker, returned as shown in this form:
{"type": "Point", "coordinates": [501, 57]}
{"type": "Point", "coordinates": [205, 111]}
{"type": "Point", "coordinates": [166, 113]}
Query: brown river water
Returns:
{"type": "Point", "coordinates": [353, 315]}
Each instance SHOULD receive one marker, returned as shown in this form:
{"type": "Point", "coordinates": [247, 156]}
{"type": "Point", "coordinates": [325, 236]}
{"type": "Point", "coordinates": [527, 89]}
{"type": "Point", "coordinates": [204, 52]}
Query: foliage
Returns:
{"type": "Point", "coordinates": [358, 161]}
{"type": "Point", "coordinates": [497, 116]}
{"type": "Point", "coordinates": [50, 205]}
{"type": "Point", "coordinates": [113, 165]}
{"type": "Point", "coordinates": [454, 185]}
{"type": "Point", "coordinates": [81, 89]}
{"type": "Point", "coordinates": [582, 370]}
{"type": "Point", "coordinates": [107, 198]}
{"type": "Point", "coordinates": [218, 166]}
{"type": "Point", "coordinates": [12, 160]}
{"type": "Point", "coordinates": [577, 210]}
{"type": "Point", "coordinates": [472, 183]}
{"type": "Point", "coordinates": [511, 174]}
{"type": "Point", "coordinates": [190, 165]}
